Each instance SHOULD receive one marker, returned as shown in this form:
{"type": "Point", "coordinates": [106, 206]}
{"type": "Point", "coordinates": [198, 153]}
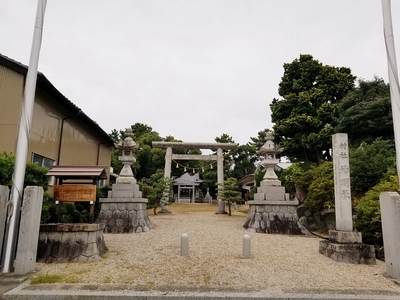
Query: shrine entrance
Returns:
{"type": "Point", "coordinates": [169, 156]}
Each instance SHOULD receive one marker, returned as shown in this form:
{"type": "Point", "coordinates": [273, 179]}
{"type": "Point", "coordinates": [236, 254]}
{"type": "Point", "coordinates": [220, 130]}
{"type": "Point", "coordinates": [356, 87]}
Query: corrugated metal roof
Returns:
{"type": "Point", "coordinates": [49, 88]}
{"type": "Point", "coordinates": [187, 179]}
{"type": "Point", "coordinates": [75, 172]}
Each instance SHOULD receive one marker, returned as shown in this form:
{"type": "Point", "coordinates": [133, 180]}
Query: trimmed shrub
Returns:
{"type": "Point", "coordinates": [368, 217]}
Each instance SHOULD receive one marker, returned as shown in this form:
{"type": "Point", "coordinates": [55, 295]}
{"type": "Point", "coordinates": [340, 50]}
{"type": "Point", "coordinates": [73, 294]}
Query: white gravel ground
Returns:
{"type": "Point", "coordinates": [279, 263]}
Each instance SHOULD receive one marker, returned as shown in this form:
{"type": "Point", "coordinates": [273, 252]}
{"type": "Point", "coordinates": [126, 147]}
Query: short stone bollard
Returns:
{"type": "Point", "coordinates": [184, 245]}
{"type": "Point", "coordinates": [246, 246]}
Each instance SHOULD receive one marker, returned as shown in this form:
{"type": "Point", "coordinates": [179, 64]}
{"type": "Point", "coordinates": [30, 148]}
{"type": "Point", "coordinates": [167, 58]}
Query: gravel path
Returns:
{"type": "Point", "coordinates": [279, 263]}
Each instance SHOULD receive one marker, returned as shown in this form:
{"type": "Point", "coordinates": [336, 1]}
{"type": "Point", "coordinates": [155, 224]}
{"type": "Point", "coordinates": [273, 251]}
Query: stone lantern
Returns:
{"type": "Point", "coordinates": [127, 147]}
{"type": "Point", "coordinates": [272, 211]}
{"type": "Point", "coordinates": [124, 210]}
{"type": "Point", "coordinates": [270, 151]}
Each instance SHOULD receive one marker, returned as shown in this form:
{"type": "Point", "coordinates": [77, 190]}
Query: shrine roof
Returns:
{"type": "Point", "coordinates": [75, 172]}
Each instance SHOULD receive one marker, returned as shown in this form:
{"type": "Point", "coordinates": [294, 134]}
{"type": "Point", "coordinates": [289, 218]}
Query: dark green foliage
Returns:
{"type": "Point", "coordinates": [366, 113]}
{"type": "Point", "coordinates": [7, 162]}
{"type": "Point", "coordinates": [304, 118]}
{"type": "Point", "coordinates": [209, 180]}
{"type": "Point", "coordinates": [244, 158]}
{"type": "Point", "coordinates": [318, 184]}
{"type": "Point", "coordinates": [259, 141]}
{"type": "Point", "coordinates": [78, 212]}
{"type": "Point", "coordinates": [229, 192]}
{"type": "Point", "coordinates": [48, 210]}
{"type": "Point", "coordinates": [289, 176]}
{"type": "Point", "coordinates": [158, 189]}
{"type": "Point", "coordinates": [228, 159]}
{"type": "Point", "coordinates": [369, 163]}
{"type": "Point", "coordinates": [34, 175]}
{"type": "Point", "coordinates": [258, 176]}
{"type": "Point", "coordinates": [368, 209]}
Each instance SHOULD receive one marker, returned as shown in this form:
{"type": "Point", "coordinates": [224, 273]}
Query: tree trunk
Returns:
{"type": "Point", "coordinates": [229, 206]}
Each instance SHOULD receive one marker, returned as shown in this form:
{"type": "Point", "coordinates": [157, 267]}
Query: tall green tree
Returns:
{"type": "Point", "coordinates": [228, 158]}
{"type": "Point", "coordinates": [258, 141]}
{"type": "Point", "coordinates": [369, 164]}
{"type": "Point", "coordinates": [139, 129]}
{"type": "Point", "coordinates": [304, 116]}
{"type": "Point", "coordinates": [366, 113]}
{"type": "Point", "coordinates": [244, 161]}
{"type": "Point", "coordinates": [229, 191]}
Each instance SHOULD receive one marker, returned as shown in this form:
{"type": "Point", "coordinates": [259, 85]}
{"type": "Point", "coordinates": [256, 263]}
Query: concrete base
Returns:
{"type": "Point", "coordinates": [345, 237]}
{"type": "Point", "coordinates": [355, 253]}
{"type": "Point", "coordinates": [347, 246]}
{"type": "Point", "coordinates": [124, 215]}
{"type": "Point", "coordinates": [221, 207]}
{"type": "Point", "coordinates": [274, 217]}
{"type": "Point", "coordinates": [164, 210]}
{"type": "Point", "coordinates": [71, 243]}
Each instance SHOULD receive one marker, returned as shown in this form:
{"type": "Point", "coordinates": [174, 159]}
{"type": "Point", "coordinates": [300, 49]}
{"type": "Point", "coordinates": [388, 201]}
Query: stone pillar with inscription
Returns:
{"type": "Point", "coordinates": [344, 244]}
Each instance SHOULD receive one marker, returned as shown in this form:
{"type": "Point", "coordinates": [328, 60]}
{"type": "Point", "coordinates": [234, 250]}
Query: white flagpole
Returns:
{"type": "Point", "coordinates": [393, 76]}
{"type": "Point", "coordinates": [23, 143]}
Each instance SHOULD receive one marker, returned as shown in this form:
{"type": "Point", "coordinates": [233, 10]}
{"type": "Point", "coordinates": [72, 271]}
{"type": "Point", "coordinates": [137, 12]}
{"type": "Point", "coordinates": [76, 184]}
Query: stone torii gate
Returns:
{"type": "Point", "coordinates": [184, 145]}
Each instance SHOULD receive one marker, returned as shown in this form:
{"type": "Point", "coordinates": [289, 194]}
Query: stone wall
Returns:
{"type": "Point", "coordinates": [124, 215]}
{"type": "Point", "coordinates": [25, 259]}
{"type": "Point", "coordinates": [70, 243]}
{"type": "Point", "coordinates": [274, 217]}
{"type": "Point", "coordinates": [4, 194]}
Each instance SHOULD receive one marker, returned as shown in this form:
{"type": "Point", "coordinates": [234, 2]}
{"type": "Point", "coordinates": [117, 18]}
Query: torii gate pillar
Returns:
{"type": "Point", "coordinates": [220, 178]}
{"type": "Point", "coordinates": [168, 158]}
{"type": "Point", "coordinates": [212, 146]}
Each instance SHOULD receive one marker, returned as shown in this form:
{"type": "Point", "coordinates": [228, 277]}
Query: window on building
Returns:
{"type": "Point", "coordinates": [100, 182]}
{"type": "Point", "coordinates": [44, 162]}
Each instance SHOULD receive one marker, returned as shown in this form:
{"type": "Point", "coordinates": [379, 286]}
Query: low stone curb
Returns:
{"type": "Point", "coordinates": [84, 291]}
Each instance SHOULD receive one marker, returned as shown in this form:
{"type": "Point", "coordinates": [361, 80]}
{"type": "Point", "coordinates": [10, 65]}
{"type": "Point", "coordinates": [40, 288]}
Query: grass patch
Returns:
{"type": "Point", "coordinates": [46, 278]}
{"type": "Point", "coordinates": [72, 279]}
{"type": "Point", "coordinates": [84, 271]}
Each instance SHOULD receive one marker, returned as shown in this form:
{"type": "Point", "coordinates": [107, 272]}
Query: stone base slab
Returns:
{"type": "Point", "coordinates": [70, 243]}
{"type": "Point", "coordinates": [345, 237]}
{"type": "Point", "coordinates": [124, 216]}
{"type": "Point", "coordinates": [270, 182]}
{"type": "Point", "coordinates": [123, 200]}
{"type": "Point", "coordinates": [348, 253]}
{"type": "Point", "coordinates": [267, 202]}
{"type": "Point", "coordinates": [269, 218]}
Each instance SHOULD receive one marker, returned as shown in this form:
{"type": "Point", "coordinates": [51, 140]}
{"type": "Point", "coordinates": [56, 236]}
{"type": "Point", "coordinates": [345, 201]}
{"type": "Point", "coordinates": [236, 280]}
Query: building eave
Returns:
{"type": "Point", "coordinates": [44, 84]}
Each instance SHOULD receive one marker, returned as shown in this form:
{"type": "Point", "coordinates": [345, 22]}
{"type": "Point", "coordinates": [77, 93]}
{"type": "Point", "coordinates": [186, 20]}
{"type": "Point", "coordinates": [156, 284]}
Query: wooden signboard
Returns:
{"type": "Point", "coordinates": [75, 192]}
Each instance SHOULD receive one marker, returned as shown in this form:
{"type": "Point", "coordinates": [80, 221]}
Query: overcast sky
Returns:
{"type": "Point", "coordinates": [191, 69]}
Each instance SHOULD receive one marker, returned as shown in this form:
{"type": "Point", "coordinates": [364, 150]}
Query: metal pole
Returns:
{"type": "Point", "coordinates": [23, 142]}
{"type": "Point", "coordinates": [393, 77]}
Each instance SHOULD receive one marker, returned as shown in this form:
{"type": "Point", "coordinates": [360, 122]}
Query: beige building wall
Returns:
{"type": "Point", "coordinates": [11, 93]}
{"type": "Point", "coordinates": [56, 133]}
